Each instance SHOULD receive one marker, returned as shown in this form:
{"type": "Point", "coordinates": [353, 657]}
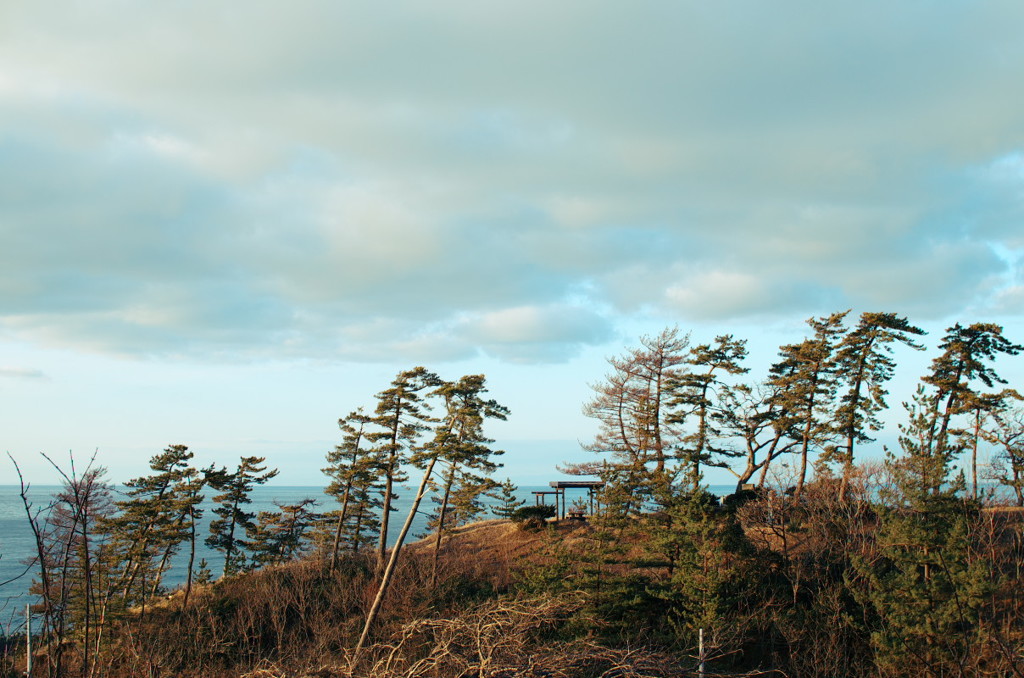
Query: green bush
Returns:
{"type": "Point", "coordinates": [525, 513]}
{"type": "Point", "coordinates": [734, 501]}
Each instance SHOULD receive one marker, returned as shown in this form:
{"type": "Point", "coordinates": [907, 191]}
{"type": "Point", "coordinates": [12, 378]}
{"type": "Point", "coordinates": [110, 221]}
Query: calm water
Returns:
{"type": "Point", "coordinates": [17, 546]}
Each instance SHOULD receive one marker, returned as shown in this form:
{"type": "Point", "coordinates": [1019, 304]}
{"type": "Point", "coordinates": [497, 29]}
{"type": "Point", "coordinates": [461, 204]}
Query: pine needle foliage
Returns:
{"type": "Point", "coordinates": [228, 532]}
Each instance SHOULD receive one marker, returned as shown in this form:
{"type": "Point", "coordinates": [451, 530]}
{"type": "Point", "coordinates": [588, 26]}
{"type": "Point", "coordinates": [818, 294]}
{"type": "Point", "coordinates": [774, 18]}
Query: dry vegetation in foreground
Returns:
{"type": "Point", "coordinates": [789, 593]}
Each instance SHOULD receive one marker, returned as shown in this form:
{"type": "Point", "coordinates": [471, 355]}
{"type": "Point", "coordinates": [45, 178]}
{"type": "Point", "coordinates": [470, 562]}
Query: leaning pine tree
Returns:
{"type": "Point", "coordinates": [228, 530]}
{"type": "Point", "coordinates": [863, 366]}
{"type": "Point", "coordinates": [354, 470]}
{"type": "Point", "coordinates": [458, 438]}
{"type": "Point", "coordinates": [695, 396]}
{"type": "Point", "coordinates": [464, 450]}
{"type": "Point", "coordinates": [805, 382]}
{"type": "Point", "coordinates": [152, 522]}
{"type": "Point", "coordinates": [956, 376]}
{"type": "Point", "coordinates": [402, 417]}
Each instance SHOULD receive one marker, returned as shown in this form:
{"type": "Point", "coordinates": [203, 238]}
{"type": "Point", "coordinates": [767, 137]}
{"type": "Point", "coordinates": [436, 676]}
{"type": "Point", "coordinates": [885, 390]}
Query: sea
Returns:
{"type": "Point", "coordinates": [17, 548]}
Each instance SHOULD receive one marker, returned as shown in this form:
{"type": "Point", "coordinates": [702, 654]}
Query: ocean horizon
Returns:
{"type": "Point", "coordinates": [17, 547]}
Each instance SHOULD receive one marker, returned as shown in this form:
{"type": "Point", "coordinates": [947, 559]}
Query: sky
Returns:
{"type": "Point", "coordinates": [228, 224]}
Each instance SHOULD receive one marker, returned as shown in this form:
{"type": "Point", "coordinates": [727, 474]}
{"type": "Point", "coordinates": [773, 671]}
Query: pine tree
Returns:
{"type": "Point", "coordinates": [190, 500]}
{"type": "Point", "coordinates": [402, 415]}
{"type": "Point", "coordinates": [863, 365]}
{"type": "Point", "coordinates": [924, 466]}
{"type": "Point", "coordinates": [468, 498]}
{"type": "Point", "coordinates": [458, 437]}
{"type": "Point", "coordinates": [695, 394]}
{"type": "Point", "coordinates": [365, 523]}
{"type": "Point", "coordinates": [361, 528]}
{"type": "Point", "coordinates": [153, 521]}
{"type": "Point", "coordinates": [460, 444]}
{"type": "Point", "coordinates": [966, 350]}
{"type": "Point", "coordinates": [463, 502]}
{"type": "Point", "coordinates": [233, 521]}
{"type": "Point", "coordinates": [506, 498]}
{"type": "Point", "coordinates": [355, 473]}
{"type": "Point", "coordinates": [706, 551]}
{"type": "Point", "coordinates": [923, 586]}
{"type": "Point", "coordinates": [754, 415]}
{"type": "Point", "coordinates": [279, 536]}
{"type": "Point", "coordinates": [631, 406]}
{"type": "Point", "coordinates": [806, 383]}
{"type": "Point", "coordinates": [979, 407]}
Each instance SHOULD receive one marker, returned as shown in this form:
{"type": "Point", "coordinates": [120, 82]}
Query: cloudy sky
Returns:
{"type": "Point", "coordinates": [226, 224]}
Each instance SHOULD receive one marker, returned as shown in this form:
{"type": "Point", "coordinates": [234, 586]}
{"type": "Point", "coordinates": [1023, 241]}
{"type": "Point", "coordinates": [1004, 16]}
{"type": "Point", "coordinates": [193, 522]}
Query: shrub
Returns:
{"type": "Point", "coordinates": [532, 517]}
{"type": "Point", "coordinates": [733, 501]}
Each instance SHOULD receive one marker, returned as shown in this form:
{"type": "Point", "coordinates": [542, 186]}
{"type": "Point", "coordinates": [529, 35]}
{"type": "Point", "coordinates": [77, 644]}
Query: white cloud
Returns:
{"type": "Point", "coordinates": [721, 293]}
{"type": "Point", "coordinates": [442, 179]}
{"type": "Point", "coordinates": [1008, 301]}
{"type": "Point", "coordinates": [532, 324]}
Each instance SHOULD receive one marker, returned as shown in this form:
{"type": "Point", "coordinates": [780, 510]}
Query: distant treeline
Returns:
{"type": "Point", "coordinates": [669, 409]}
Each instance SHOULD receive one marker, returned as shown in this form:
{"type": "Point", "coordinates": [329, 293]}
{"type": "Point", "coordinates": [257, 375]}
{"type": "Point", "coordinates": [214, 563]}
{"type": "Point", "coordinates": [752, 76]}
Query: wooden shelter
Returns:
{"type": "Point", "coordinates": [560, 486]}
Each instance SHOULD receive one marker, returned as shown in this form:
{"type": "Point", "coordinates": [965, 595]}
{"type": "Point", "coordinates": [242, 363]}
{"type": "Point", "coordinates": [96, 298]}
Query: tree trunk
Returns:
{"type": "Point", "coordinates": [389, 570]}
{"type": "Point", "coordinates": [337, 532]}
{"type": "Point", "coordinates": [191, 553]}
{"type": "Point", "coordinates": [385, 514]}
{"type": "Point", "coordinates": [442, 514]}
{"type": "Point", "coordinates": [230, 548]}
{"type": "Point", "coordinates": [974, 454]}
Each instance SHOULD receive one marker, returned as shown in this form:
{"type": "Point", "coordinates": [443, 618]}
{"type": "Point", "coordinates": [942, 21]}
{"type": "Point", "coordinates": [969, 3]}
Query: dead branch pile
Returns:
{"type": "Point", "coordinates": [505, 639]}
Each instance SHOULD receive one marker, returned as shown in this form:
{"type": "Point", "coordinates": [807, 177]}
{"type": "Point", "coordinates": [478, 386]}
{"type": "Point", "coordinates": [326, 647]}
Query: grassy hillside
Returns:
{"type": "Point", "coordinates": [779, 587]}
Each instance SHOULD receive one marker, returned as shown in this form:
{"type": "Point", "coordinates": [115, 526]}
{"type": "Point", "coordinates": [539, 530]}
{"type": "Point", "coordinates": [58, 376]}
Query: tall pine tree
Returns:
{"type": "Point", "coordinates": [355, 471]}
{"type": "Point", "coordinates": [806, 383]}
{"type": "Point", "coordinates": [402, 416]}
{"type": "Point", "coordinates": [153, 521]}
{"type": "Point", "coordinates": [966, 354]}
{"type": "Point", "coordinates": [631, 406]}
{"type": "Point", "coordinates": [228, 532]}
{"type": "Point", "coordinates": [864, 365]}
{"type": "Point", "coordinates": [460, 444]}
{"type": "Point", "coordinates": [695, 395]}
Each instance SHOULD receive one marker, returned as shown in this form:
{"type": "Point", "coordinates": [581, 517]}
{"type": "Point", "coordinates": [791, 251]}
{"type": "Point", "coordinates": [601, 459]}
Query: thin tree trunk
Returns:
{"type": "Point", "coordinates": [974, 454]}
{"type": "Point", "coordinates": [191, 554]}
{"type": "Point", "coordinates": [337, 533]}
{"type": "Point", "coordinates": [804, 448]}
{"type": "Point", "coordinates": [442, 514]}
{"type": "Point", "coordinates": [44, 570]}
{"type": "Point", "coordinates": [160, 572]}
{"type": "Point", "coordinates": [702, 433]}
{"type": "Point", "coordinates": [230, 549]}
{"type": "Point", "coordinates": [389, 570]}
{"type": "Point", "coordinates": [132, 566]}
{"type": "Point", "coordinates": [657, 420]}
{"type": "Point", "coordinates": [101, 624]}
{"type": "Point", "coordinates": [385, 514]}
{"type": "Point", "coordinates": [87, 564]}
{"type": "Point", "coordinates": [65, 568]}
{"type": "Point", "coordinates": [947, 414]}
{"type": "Point", "coordinates": [358, 530]}
{"type": "Point", "coordinates": [858, 381]}
{"type": "Point", "coordinates": [385, 517]}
